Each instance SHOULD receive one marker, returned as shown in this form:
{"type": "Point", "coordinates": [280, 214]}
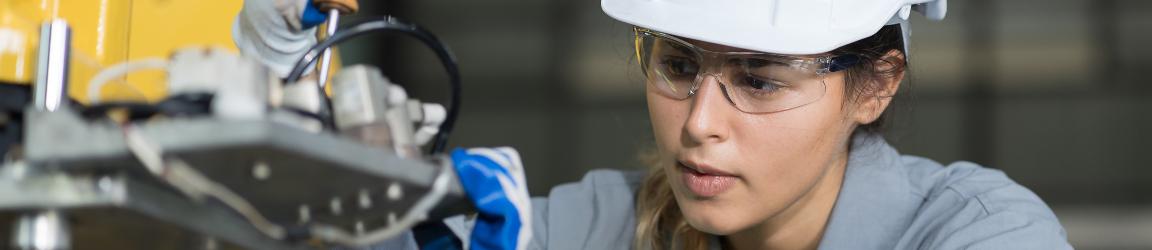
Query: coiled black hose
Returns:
{"type": "Point", "coordinates": [393, 25]}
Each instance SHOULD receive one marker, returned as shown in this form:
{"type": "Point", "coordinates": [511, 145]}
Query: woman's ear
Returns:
{"type": "Point", "coordinates": [876, 97]}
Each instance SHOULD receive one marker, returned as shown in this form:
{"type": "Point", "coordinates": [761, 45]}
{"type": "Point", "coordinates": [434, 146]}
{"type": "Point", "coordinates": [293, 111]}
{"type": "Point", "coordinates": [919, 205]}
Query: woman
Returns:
{"type": "Point", "coordinates": [767, 117]}
{"type": "Point", "coordinates": [767, 137]}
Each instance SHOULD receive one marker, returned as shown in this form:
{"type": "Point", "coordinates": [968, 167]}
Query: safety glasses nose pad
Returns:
{"type": "Point", "coordinates": [697, 82]}
{"type": "Point", "coordinates": [704, 73]}
{"type": "Point", "coordinates": [719, 81]}
{"type": "Point", "coordinates": [724, 88]}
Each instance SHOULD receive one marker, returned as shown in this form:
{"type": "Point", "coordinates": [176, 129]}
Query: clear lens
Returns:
{"type": "Point", "coordinates": [753, 82]}
{"type": "Point", "coordinates": [671, 66]}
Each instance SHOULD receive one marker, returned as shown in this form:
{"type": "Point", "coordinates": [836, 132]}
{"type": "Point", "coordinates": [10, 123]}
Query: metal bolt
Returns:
{"type": "Point", "coordinates": [105, 183]}
{"type": "Point", "coordinates": [394, 192]}
{"type": "Point", "coordinates": [336, 206]}
{"type": "Point", "coordinates": [359, 227]}
{"type": "Point", "coordinates": [365, 199]}
{"type": "Point", "coordinates": [261, 170]}
{"type": "Point", "coordinates": [391, 218]}
{"type": "Point", "coordinates": [305, 214]}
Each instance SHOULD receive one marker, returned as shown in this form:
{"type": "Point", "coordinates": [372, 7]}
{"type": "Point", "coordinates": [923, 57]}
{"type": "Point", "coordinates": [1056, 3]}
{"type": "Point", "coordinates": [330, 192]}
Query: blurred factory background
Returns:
{"type": "Point", "coordinates": [1053, 92]}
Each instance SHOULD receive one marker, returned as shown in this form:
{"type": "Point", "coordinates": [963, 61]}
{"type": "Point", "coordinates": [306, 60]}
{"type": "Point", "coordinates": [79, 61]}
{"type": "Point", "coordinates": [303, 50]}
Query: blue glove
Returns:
{"type": "Point", "coordinates": [493, 178]}
{"type": "Point", "coordinates": [312, 16]}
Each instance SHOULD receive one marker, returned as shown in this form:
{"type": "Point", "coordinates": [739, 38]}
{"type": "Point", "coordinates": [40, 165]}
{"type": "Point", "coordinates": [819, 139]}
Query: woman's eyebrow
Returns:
{"type": "Point", "coordinates": [680, 47]}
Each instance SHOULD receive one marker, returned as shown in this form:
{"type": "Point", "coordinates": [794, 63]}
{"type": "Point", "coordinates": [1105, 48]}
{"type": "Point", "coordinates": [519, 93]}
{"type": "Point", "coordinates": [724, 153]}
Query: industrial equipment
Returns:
{"type": "Point", "coordinates": [232, 158]}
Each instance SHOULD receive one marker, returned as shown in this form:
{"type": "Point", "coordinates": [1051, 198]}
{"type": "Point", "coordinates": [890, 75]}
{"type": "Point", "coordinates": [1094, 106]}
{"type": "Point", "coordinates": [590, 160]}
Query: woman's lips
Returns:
{"type": "Point", "coordinates": [706, 182]}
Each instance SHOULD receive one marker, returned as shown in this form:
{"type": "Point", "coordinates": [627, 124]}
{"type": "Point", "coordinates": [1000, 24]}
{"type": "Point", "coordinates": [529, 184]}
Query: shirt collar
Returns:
{"type": "Point", "coordinates": [875, 203]}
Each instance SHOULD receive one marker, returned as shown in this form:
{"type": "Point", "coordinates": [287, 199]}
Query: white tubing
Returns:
{"type": "Point", "coordinates": [120, 69]}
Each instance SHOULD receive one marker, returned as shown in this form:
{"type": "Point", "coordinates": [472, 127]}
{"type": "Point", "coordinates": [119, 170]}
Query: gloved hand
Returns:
{"type": "Point", "coordinates": [493, 178]}
{"type": "Point", "coordinates": [276, 32]}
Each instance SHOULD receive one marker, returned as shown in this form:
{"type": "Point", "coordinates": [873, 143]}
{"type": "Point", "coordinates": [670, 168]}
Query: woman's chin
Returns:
{"type": "Point", "coordinates": [713, 220]}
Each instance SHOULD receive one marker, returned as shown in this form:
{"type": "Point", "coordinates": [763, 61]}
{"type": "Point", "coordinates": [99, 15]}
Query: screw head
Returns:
{"type": "Point", "coordinates": [335, 205]}
{"type": "Point", "coordinates": [105, 183]}
{"type": "Point", "coordinates": [261, 171]}
{"type": "Point", "coordinates": [395, 193]}
{"type": "Point", "coordinates": [365, 199]}
{"type": "Point", "coordinates": [305, 214]}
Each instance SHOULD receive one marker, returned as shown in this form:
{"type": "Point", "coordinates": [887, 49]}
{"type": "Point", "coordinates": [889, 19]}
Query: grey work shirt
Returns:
{"type": "Point", "coordinates": [887, 201]}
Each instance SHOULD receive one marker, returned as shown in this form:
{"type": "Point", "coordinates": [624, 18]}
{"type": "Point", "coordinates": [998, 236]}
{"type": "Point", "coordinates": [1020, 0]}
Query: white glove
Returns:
{"type": "Point", "coordinates": [275, 32]}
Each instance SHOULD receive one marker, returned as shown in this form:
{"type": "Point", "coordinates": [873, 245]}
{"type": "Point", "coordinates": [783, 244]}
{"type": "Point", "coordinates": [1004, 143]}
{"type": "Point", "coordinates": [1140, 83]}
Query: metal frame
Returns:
{"type": "Point", "coordinates": [291, 176]}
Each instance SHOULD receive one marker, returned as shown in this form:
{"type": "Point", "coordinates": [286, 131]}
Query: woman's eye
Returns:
{"type": "Point", "coordinates": [680, 66]}
{"type": "Point", "coordinates": [760, 84]}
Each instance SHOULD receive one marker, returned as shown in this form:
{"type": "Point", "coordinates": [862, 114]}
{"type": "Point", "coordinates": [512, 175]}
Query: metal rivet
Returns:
{"type": "Point", "coordinates": [305, 214]}
{"type": "Point", "coordinates": [391, 218]}
{"type": "Point", "coordinates": [261, 170]}
{"type": "Point", "coordinates": [335, 206]}
{"type": "Point", "coordinates": [365, 199]}
{"type": "Point", "coordinates": [359, 227]}
{"type": "Point", "coordinates": [394, 192]}
{"type": "Point", "coordinates": [105, 183]}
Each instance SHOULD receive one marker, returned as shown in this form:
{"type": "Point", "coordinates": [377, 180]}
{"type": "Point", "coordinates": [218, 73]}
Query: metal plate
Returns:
{"type": "Point", "coordinates": [305, 169]}
{"type": "Point", "coordinates": [116, 212]}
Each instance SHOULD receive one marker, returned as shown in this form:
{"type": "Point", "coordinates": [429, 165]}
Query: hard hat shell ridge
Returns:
{"type": "Point", "coordinates": [796, 27]}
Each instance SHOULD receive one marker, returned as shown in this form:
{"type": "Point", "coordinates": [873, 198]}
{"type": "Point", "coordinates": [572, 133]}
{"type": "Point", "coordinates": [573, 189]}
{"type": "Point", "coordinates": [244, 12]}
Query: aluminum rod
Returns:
{"type": "Point", "coordinates": [333, 19]}
{"type": "Point", "coordinates": [51, 89]}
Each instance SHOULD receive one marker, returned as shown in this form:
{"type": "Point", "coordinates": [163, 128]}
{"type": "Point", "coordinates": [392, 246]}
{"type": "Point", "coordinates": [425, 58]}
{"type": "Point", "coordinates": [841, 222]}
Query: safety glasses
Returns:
{"type": "Point", "coordinates": [753, 82]}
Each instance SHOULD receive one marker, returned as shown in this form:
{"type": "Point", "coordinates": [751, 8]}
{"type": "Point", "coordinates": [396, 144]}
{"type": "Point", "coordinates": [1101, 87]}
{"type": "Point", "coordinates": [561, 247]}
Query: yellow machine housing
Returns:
{"type": "Point", "coordinates": [106, 32]}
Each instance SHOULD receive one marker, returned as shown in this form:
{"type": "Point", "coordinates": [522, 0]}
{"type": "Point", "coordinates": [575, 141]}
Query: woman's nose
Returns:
{"type": "Point", "coordinates": [707, 119]}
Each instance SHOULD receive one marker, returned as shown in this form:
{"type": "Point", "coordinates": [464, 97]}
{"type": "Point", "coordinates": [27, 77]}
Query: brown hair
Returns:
{"type": "Point", "coordinates": [661, 225]}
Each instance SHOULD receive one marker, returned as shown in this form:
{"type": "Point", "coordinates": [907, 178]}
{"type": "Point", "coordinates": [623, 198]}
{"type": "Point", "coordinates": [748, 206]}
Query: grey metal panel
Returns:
{"type": "Point", "coordinates": [67, 155]}
{"type": "Point", "coordinates": [123, 213]}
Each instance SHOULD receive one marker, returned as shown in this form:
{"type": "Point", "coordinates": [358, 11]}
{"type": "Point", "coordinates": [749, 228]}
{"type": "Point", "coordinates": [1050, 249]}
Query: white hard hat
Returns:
{"type": "Point", "coordinates": [796, 27]}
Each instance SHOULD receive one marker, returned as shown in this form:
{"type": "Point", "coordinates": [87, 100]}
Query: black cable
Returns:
{"type": "Point", "coordinates": [391, 24]}
{"type": "Point", "coordinates": [136, 111]}
{"type": "Point", "coordinates": [308, 114]}
{"type": "Point", "coordinates": [183, 104]}
{"type": "Point", "coordinates": [11, 133]}
{"type": "Point", "coordinates": [14, 98]}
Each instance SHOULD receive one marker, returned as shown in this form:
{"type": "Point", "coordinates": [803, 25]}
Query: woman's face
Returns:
{"type": "Point", "coordinates": [732, 170]}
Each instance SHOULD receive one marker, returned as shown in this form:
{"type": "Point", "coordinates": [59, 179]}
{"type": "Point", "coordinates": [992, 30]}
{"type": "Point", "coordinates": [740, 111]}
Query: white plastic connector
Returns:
{"type": "Point", "coordinates": [303, 95]}
{"type": "Point", "coordinates": [396, 96]}
{"type": "Point", "coordinates": [242, 88]}
{"type": "Point", "coordinates": [240, 84]}
{"type": "Point", "coordinates": [199, 69]}
{"type": "Point", "coordinates": [434, 115]}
